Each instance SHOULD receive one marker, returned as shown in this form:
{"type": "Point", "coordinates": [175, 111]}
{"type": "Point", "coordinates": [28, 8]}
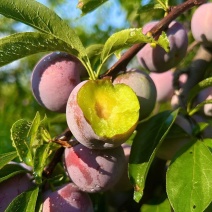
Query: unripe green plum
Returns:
{"type": "Point", "coordinates": [95, 116]}
{"type": "Point", "coordinates": [67, 198]}
{"type": "Point", "coordinates": [164, 85]}
{"type": "Point", "coordinates": [53, 79]}
{"type": "Point", "coordinates": [94, 170]}
{"type": "Point", "coordinates": [157, 59]}
{"type": "Point", "coordinates": [176, 139]}
{"type": "Point", "coordinates": [143, 86]}
{"type": "Point", "coordinates": [201, 24]}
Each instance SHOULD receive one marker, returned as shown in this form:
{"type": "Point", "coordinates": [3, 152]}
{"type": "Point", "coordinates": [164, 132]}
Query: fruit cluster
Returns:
{"type": "Point", "coordinates": [102, 114]}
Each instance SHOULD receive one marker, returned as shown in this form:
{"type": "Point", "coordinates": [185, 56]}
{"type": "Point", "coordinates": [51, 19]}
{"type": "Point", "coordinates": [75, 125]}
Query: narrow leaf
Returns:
{"type": "Point", "coordinates": [20, 141]}
{"type": "Point", "coordinates": [199, 107]}
{"type": "Point", "coordinates": [190, 176]}
{"type": "Point", "coordinates": [11, 170]}
{"type": "Point", "coordinates": [7, 157]}
{"type": "Point", "coordinates": [25, 202]}
{"type": "Point", "coordinates": [20, 45]}
{"type": "Point", "coordinates": [150, 135]}
{"type": "Point", "coordinates": [89, 5]}
{"type": "Point", "coordinates": [41, 159]}
{"type": "Point", "coordinates": [196, 89]}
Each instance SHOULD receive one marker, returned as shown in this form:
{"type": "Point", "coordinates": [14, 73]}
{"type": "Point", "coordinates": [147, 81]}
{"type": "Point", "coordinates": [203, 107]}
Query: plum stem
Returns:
{"type": "Point", "coordinates": [175, 11]}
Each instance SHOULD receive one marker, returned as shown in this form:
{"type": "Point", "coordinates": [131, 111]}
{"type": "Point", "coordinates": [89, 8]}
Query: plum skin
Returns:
{"type": "Point", "coordinates": [201, 24]}
{"type": "Point", "coordinates": [156, 59]}
{"type": "Point", "coordinates": [83, 131]}
{"type": "Point", "coordinates": [67, 198]}
{"type": "Point", "coordinates": [53, 79]}
{"type": "Point", "coordinates": [12, 187]}
{"type": "Point", "coordinates": [164, 85]}
{"type": "Point", "coordinates": [94, 170]}
{"type": "Point", "coordinates": [144, 88]}
{"type": "Point", "coordinates": [124, 183]}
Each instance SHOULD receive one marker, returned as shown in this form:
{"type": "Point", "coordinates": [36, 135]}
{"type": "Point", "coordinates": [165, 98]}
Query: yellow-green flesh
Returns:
{"type": "Point", "coordinates": [110, 109]}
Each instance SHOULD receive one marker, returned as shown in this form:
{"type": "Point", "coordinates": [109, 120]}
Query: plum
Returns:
{"type": "Point", "coordinates": [143, 86]}
{"type": "Point", "coordinates": [94, 170]}
{"type": "Point", "coordinates": [12, 187]}
{"type": "Point", "coordinates": [124, 183]}
{"type": "Point", "coordinates": [156, 59]}
{"type": "Point", "coordinates": [53, 79]}
{"type": "Point", "coordinates": [201, 24]}
{"type": "Point", "coordinates": [95, 116]}
{"type": "Point", "coordinates": [67, 198]}
{"type": "Point", "coordinates": [164, 85]}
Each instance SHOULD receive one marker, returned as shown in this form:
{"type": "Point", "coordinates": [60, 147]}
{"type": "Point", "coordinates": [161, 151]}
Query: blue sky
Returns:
{"type": "Point", "coordinates": [69, 10]}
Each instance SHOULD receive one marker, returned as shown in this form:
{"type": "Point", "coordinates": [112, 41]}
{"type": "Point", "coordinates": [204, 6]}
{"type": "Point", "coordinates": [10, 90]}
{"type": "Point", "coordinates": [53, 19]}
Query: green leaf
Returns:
{"type": "Point", "coordinates": [43, 19]}
{"type": "Point", "coordinates": [199, 106]}
{"type": "Point", "coordinates": [25, 202]}
{"type": "Point", "coordinates": [160, 207]}
{"type": "Point", "coordinates": [7, 157]}
{"type": "Point", "coordinates": [38, 132]}
{"type": "Point", "coordinates": [195, 90]}
{"type": "Point", "coordinates": [20, 45]}
{"type": "Point", "coordinates": [126, 38]}
{"type": "Point", "coordinates": [89, 5]}
{"type": "Point", "coordinates": [94, 50]}
{"type": "Point", "coordinates": [150, 135]}
{"type": "Point", "coordinates": [11, 170]}
{"type": "Point", "coordinates": [20, 141]}
{"type": "Point", "coordinates": [41, 157]}
{"type": "Point", "coordinates": [208, 143]}
{"type": "Point", "coordinates": [189, 178]}
{"type": "Point", "coordinates": [163, 41]}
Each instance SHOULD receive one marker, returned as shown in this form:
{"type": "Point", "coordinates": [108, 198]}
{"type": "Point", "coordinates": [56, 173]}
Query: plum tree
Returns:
{"type": "Point", "coordinates": [94, 170]}
{"type": "Point", "coordinates": [144, 88]}
{"type": "Point", "coordinates": [200, 24]}
{"type": "Point", "coordinates": [156, 59]}
{"type": "Point", "coordinates": [164, 85]}
{"type": "Point", "coordinates": [12, 187]}
{"type": "Point", "coordinates": [102, 122]}
{"type": "Point", "coordinates": [67, 198]}
{"type": "Point", "coordinates": [53, 79]}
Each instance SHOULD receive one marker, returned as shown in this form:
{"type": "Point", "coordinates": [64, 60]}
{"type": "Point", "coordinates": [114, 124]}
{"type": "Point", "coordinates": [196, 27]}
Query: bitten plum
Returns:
{"type": "Point", "coordinates": [94, 170]}
{"type": "Point", "coordinates": [67, 198]}
{"type": "Point", "coordinates": [164, 85]}
{"type": "Point", "coordinates": [143, 86]}
{"type": "Point", "coordinates": [12, 187]}
{"type": "Point", "coordinates": [95, 116]}
{"type": "Point", "coordinates": [156, 59]}
{"type": "Point", "coordinates": [53, 79]}
{"type": "Point", "coordinates": [201, 24]}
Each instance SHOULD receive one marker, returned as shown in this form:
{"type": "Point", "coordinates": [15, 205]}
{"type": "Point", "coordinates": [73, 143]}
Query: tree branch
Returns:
{"type": "Point", "coordinates": [175, 11]}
